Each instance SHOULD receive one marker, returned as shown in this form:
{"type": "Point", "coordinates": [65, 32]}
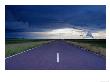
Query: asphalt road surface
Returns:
{"type": "Point", "coordinates": [56, 55]}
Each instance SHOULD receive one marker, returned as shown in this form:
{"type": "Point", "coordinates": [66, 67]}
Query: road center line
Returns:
{"type": "Point", "coordinates": [58, 57]}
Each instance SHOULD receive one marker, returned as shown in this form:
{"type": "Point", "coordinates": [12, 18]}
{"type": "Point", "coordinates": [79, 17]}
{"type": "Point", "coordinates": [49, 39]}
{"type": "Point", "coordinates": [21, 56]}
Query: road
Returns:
{"type": "Point", "coordinates": [56, 55]}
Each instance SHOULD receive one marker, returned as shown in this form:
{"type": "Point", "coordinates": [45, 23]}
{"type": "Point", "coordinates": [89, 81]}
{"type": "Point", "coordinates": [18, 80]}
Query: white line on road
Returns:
{"type": "Point", "coordinates": [21, 52]}
{"type": "Point", "coordinates": [58, 57]}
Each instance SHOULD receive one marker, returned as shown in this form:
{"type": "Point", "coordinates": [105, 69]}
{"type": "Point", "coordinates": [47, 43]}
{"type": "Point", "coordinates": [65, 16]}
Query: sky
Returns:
{"type": "Point", "coordinates": [55, 21]}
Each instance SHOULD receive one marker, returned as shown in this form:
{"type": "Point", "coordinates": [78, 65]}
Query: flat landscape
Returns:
{"type": "Point", "coordinates": [95, 45]}
{"type": "Point", "coordinates": [56, 55]}
{"type": "Point", "coordinates": [14, 46]}
{"type": "Point", "coordinates": [55, 37]}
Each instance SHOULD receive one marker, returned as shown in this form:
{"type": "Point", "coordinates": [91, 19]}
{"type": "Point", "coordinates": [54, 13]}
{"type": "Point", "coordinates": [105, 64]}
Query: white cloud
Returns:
{"type": "Point", "coordinates": [101, 34]}
{"type": "Point", "coordinates": [65, 33]}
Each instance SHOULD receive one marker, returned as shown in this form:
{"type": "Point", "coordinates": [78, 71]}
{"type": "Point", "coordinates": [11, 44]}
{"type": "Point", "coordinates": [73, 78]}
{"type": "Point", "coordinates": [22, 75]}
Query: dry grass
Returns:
{"type": "Point", "coordinates": [91, 47]}
{"type": "Point", "coordinates": [11, 49]}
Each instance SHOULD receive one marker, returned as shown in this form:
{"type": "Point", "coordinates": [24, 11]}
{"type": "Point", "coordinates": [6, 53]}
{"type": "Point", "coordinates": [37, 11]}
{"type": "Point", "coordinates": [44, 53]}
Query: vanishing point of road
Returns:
{"type": "Point", "coordinates": [56, 55]}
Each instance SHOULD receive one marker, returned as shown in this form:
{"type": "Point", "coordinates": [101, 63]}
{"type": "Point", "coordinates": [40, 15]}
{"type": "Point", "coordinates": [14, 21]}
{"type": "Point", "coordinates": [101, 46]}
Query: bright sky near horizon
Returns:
{"type": "Point", "coordinates": [55, 22]}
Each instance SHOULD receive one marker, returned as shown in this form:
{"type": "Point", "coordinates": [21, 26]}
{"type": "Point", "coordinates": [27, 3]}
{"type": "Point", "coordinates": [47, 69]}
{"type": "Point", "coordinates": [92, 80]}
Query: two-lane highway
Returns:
{"type": "Point", "coordinates": [57, 55]}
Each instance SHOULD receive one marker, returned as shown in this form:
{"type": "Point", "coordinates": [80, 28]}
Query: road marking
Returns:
{"type": "Point", "coordinates": [20, 53]}
{"type": "Point", "coordinates": [23, 52]}
{"type": "Point", "coordinates": [58, 57]}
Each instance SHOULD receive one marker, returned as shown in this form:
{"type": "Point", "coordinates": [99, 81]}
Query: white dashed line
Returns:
{"type": "Point", "coordinates": [58, 58]}
{"type": "Point", "coordinates": [21, 52]}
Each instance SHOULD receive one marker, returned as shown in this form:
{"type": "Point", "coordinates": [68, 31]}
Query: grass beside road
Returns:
{"type": "Point", "coordinates": [15, 46]}
{"type": "Point", "coordinates": [95, 45]}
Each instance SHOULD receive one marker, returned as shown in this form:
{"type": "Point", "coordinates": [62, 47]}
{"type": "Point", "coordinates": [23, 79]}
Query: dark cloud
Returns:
{"type": "Point", "coordinates": [31, 18]}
